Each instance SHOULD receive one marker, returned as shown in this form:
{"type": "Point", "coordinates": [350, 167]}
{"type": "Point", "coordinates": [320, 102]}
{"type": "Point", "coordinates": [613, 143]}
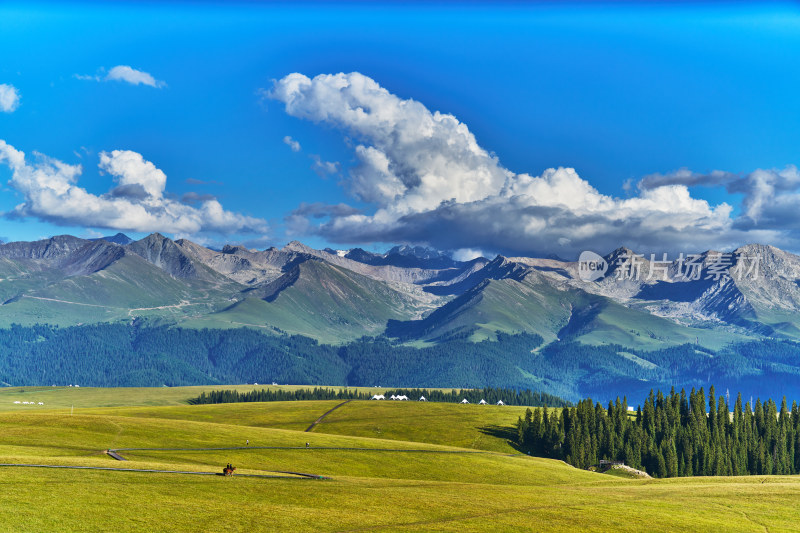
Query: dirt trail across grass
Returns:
{"type": "Point", "coordinates": [288, 475]}
{"type": "Point", "coordinates": [318, 420]}
{"type": "Point", "coordinates": [309, 448]}
{"type": "Point", "coordinates": [115, 455]}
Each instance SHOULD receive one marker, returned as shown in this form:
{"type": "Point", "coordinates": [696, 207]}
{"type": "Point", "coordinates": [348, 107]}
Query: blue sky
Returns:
{"type": "Point", "coordinates": [617, 92]}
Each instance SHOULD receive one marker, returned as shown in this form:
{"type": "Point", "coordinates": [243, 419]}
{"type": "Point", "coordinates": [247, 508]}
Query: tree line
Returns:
{"type": "Point", "coordinates": [671, 435]}
{"type": "Point", "coordinates": [491, 395]}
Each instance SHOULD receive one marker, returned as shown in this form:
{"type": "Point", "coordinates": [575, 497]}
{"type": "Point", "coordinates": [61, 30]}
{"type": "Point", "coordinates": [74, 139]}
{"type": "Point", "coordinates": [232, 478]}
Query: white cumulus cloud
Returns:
{"type": "Point", "coordinates": [430, 182]}
{"type": "Point", "coordinates": [9, 98]}
{"type": "Point", "coordinates": [771, 197]}
{"type": "Point", "coordinates": [136, 203]}
{"type": "Point", "coordinates": [408, 156]}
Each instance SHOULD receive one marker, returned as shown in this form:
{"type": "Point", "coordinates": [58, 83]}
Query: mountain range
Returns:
{"type": "Point", "coordinates": [410, 296]}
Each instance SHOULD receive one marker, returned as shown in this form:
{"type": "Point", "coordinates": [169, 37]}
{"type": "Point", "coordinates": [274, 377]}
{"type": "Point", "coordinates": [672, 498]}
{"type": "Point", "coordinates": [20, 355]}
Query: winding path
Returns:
{"type": "Point", "coordinates": [318, 420]}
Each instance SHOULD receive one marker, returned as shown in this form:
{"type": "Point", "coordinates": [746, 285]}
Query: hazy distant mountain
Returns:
{"type": "Point", "coordinates": [404, 256]}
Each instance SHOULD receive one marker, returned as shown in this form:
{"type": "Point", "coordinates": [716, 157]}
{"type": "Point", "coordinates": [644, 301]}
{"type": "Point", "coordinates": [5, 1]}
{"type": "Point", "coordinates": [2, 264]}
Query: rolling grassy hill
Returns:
{"type": "Point", "coordinates": [408, 482]}
{"type": "Point", "coordinates": [480, 427]}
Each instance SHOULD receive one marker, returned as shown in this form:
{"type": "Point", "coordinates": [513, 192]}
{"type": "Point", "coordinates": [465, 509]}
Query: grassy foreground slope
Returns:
{"type": "Point", "coordinates": [388, 483]}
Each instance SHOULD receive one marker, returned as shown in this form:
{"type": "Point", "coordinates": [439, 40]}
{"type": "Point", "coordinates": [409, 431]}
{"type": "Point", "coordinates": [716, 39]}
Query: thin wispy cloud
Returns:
{"type": "Point", "coordinates": [291, 143]}
{"type": "Point", "coordinates": [194, 198]}
{"type": "Point", "coordinates": [9, 98]}
{"type": "Point", "coordinates": [429, 181]}
{"type": "Point", "coordinates": [194, 181]}
{"type": "Point", "coordinates": [126, 74]}
{"type": "Point", "coordinates": [323, 168]}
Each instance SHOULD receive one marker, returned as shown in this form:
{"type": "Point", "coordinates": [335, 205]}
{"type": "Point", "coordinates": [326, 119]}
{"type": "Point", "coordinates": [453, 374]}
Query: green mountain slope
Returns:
{"type": "Point", "coordinates": [598, 320]}
{"type": "Point", "coordinates": [531, 304]}
{"type": "Point", "coordinates": [319, 300]}
{"type": "Point", "coordinates": [504, 305]}
{"type": "Point", "coordinates": [127, 287]}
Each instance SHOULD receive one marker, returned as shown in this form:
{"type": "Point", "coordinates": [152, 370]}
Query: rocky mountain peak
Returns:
{"type": "Point", "coordinates": [119, 238]}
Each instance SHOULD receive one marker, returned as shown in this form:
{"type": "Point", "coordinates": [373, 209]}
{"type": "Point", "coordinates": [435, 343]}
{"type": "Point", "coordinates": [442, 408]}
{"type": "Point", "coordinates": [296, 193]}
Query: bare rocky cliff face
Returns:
{"type": "Point", "coordinates": [166, 255]}
{"type": "Point", "coordinates": [47, 249]}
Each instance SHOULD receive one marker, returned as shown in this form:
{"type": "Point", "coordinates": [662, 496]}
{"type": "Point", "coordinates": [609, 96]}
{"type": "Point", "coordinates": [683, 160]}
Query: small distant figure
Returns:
{"type": "Point", "coordinates": [247, 442]}
{"type": "Point", "coordinates": [307, 444]}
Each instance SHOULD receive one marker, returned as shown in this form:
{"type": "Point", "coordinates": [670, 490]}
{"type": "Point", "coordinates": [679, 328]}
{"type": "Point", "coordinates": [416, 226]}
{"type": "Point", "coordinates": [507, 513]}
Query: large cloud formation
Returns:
{"type": "Point", "coordinates": [137, 202]}
{"type": "Point", "coordinates": [430, 182]}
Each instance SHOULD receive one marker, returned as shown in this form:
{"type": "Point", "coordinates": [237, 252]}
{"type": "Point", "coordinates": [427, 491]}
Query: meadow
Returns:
{"type": "Point", "coordinates": [386, 466]}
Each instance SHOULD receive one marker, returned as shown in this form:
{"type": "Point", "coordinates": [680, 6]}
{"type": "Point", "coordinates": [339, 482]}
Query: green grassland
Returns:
{"type": "Point", "coordinates": [82, 397]}
{"type": "Point", "coordinates": [402, 466]}
{"type": "Point", "coordinates": [482, 427]}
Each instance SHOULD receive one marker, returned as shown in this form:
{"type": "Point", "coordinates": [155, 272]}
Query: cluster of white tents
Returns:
{"type": "Point", "coordinates": [483, 402]}
{"type": "Point", "coordinates": [28, 403]}
{"type": "Point", "coordinates": [403, 397]}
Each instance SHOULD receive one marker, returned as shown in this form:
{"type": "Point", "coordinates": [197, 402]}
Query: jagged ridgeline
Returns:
{"type": "Point", "coordinates": [409, 317]}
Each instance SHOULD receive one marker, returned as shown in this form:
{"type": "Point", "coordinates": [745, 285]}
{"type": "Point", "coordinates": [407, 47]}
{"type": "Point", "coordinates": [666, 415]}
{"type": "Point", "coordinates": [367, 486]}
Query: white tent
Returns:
{"type": "Point", "coordinates": [422, 399]}
{"type": "Point", "coordinates": [402, 398]}
{"type": "Point", "coordinates": [500, 402]}
{"type": "Point", "coordinates": [378, 397]}
{"type": "Point", "coordinates": [393, 397]}
{"type": "Point", "coordinates": [464, 401]}
{"type": "Point", "coordinates": [482, 402]}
